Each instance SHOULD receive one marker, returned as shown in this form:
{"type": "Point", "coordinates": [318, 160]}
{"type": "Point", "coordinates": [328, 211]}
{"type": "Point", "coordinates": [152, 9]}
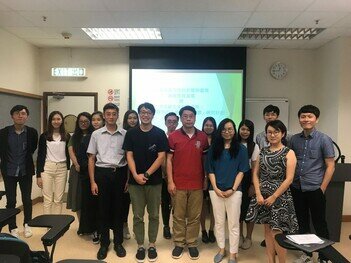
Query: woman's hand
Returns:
{"type": "Point", "coordinates": [77, 167]}
{"type": "Point", "coordinates": [219, 193]}
{"type": "Point", "coordinates": [40, 182]}
{"type": "Point", "coordinates": [228, 193]}
{"type": "Point", "coordinates": [270, 200]}
{"type": "Point", "coordinates": [260, 199]}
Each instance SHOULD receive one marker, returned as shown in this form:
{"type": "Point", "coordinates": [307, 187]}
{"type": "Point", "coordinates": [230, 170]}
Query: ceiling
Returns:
{"type": "Point", "coordinates": [182, 22]}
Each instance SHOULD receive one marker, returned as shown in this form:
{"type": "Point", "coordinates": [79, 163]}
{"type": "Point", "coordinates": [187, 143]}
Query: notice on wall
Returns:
{"type": "Point", "coordinates": [114, 96]}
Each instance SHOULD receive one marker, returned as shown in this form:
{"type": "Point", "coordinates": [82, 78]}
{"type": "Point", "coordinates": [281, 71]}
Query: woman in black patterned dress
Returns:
{"type": "Point", "coordinates": [273, 205]}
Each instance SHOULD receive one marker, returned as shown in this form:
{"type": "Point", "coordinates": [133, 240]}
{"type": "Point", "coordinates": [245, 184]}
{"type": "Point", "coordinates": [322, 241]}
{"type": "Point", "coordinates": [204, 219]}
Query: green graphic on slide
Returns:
{"type": "Point", "coordinates": [231, 86]}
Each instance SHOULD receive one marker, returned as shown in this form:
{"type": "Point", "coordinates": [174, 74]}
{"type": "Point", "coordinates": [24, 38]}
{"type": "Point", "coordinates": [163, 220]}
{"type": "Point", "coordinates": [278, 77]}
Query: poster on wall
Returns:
{"type": "Point", "coordinates": [113, 96]}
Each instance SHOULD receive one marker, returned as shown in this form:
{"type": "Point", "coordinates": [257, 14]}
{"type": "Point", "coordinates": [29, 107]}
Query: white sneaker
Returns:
{"type": "Point", "coordinates": [126, 233]}
{"type": "Point", "coordinates": [241, 241]}
{"type": "Point", "coordinates": [303, 259]}
{"type": "Point", "coordinates": [247, 243]}
{"type": "Point", "coordinates": [27, 231]}
{"type": "Point", "coordinates": [14, 232]}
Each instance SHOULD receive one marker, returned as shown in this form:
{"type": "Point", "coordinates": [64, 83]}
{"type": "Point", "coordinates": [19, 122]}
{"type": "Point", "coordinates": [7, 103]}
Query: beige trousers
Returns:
{"type": "Point", "coordinates": [187, 205]}
{"type": "Point", "coordinates": [54, 180]}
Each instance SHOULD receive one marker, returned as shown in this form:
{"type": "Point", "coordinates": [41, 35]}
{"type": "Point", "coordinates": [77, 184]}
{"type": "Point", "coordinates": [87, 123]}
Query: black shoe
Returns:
{"type": "Point", "coordinates": [152, 254]}
{"type": "Point", "coordinates": [120, 251]}
{"type": "Point", "coordinates": [177, 252]}
{"type": "Point", "coordinates": [263, 243]}
{"type": "Point", "coordinates": [102, 253]}
{"type": "Point", "coordinates": [193, 253]}
{"type": "Point", "coordinates": [167, 232]}
{"type": "Point", "coordinates": [205, 238]}
{"type": "Point", "coordinates": [140, 255]}
{"type": "Point", "coordinates": [211, 236]}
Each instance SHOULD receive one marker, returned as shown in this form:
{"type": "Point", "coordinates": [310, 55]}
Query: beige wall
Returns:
{"type": "Point", "coordinates": [18, 71]}
{"type": "Point", "coordinates": [105, 69]}
{"type": "Point", "coordinates": [18, 64]}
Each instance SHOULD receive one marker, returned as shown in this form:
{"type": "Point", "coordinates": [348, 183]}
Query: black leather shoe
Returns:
{"type": "Point", "coordinates": [102, 253]}
{"type": "Point", "coordinates": [120, 251]}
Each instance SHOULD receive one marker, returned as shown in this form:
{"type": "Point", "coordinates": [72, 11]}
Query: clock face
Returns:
{"type": "Point", "coordinates": [279, 70]}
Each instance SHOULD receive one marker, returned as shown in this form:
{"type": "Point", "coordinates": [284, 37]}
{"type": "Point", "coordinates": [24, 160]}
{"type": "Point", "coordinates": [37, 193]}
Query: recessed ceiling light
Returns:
{"type": "Point", "coordinates": [123, 33]}
{"type": "Point", "coordinates": [279, 33]}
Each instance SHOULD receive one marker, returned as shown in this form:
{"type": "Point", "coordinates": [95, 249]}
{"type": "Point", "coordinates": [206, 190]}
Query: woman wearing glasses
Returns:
{"type": "Point", "coordinates": [74, 197]}
{"type": "Point", "coordinates": [273, 205]}
{"type": "Point", "coordinates": [227, 161]}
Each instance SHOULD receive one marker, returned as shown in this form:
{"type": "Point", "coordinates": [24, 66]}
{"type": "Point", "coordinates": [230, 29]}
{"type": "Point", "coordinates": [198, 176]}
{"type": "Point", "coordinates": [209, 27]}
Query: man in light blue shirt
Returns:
{"type": "Point", "coordinates": [315, 167]}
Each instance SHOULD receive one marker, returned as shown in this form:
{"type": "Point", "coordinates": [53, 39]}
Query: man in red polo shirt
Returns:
{"type": "Point", "coordinates": [186, 176]}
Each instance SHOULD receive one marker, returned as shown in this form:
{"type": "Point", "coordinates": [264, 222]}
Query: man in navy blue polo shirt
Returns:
{"type": "Point", "coordinates": [315, 167]}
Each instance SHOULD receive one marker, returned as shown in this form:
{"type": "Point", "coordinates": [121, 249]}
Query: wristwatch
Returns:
{"type": "Point", "coordinates": [233, 189]}
{"type": "Point", "coordinates": [147, 175]}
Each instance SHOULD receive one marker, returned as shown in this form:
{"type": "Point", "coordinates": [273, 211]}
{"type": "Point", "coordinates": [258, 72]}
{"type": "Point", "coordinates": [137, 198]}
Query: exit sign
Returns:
{"type": "Point", "coordinates": [68, 72]}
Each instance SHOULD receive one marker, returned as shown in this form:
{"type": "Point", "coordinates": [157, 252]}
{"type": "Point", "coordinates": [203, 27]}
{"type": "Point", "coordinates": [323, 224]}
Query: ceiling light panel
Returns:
{"type": "Point", "coordinates": [123, 33]}
{"type": "Point", "coordinates": [279, 33]}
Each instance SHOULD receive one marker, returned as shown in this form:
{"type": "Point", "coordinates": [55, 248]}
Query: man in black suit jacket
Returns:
{"type": "Point", "coordinates": [18, 142]}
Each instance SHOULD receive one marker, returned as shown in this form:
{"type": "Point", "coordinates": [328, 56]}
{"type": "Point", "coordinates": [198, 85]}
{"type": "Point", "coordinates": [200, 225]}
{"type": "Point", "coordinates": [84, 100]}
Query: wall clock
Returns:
{"type": "Point", "coordinates": [278, 70]}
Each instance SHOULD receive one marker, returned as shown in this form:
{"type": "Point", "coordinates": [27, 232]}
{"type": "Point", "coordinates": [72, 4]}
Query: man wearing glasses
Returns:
{"type": "Point", "coordinates": [146, 147]}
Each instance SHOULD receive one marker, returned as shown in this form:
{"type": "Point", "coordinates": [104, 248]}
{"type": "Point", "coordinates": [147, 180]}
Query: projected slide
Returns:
{"type": "Point", "coordinates": [212, 93]}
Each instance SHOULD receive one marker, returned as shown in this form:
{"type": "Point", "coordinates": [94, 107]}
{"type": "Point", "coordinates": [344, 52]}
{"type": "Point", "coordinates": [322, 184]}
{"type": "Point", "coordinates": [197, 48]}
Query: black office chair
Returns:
{"type": "Point", "coordinates": [11, 247]}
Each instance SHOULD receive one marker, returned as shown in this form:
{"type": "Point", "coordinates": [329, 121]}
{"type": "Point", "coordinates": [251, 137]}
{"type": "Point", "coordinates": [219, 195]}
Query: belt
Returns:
{"type": "Point", "coordinates": [111, 169]}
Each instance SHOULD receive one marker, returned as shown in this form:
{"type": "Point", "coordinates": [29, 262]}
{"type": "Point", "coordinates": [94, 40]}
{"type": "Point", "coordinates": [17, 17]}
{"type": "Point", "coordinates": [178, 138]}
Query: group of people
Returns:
{"type": "Point", "coordinates": [277, 179]}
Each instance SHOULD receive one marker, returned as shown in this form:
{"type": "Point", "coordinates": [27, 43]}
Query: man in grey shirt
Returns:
{"type": "Point", "coordinates": [108, 175]}
{"type": "Point", "coordinates": [270, 113]}
{"type": "Point", "coordinates": [315, 167]}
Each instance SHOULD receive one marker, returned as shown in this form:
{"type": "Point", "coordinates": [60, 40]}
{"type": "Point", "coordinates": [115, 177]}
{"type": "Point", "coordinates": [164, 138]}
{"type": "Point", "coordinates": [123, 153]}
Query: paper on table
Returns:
{"type": "Point", "coordinates": [305, 239]}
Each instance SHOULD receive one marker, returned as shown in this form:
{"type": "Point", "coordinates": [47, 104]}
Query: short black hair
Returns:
{"type": "Point", "coordinates": [271, 108]}
{"type": "Point", "coordinates": [19, 108]}
{"type": "Point", "coordinates": [309, 109]}
{"type": "Point", "coordinates": [147, 106]}
{"type": "Point", "coordinates": [280, 126]}
{"type": "Point", "coordinates": [171, 114]}
{"type": "Point", "coordinates": [189, 108]}
{"type": "Point", "coordinates": [110, 106]}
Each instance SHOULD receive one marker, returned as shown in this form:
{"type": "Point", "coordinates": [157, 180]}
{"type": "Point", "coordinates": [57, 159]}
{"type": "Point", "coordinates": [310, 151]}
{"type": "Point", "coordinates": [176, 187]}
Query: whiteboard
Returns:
{"type": "Point", "coordinates": [254, 111]}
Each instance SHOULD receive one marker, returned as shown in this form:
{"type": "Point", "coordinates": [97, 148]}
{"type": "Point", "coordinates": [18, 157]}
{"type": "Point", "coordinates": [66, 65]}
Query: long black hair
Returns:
{"type": "Point", "coordinates": [126, 126]}
{"type": "Point", "coordinates": [211, 119]}
{"type": "Point", "coordinates": [280, 126]}
{"type": "Point", "coordinates": [218, 144]}
{"type": "Point", "coordinates": [78, 132]}
{"type": "Point", "coordinates": [50, 130]}
{"type": "Point", "coordinates": [250, 140]}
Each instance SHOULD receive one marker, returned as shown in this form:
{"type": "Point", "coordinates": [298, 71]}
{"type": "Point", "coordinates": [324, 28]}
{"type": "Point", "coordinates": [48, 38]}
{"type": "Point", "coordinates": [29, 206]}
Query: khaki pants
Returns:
{"type": "Point", "coordinates": [187, 205]}
{"type": "Point", "coordinates": [54, 180]}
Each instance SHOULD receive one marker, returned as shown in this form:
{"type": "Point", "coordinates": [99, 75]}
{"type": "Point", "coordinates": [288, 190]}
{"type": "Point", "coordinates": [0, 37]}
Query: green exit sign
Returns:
{"type": "Point", "coordinates": [68, 72]}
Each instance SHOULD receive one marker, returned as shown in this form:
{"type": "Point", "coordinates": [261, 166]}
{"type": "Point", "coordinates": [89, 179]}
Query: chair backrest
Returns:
{"type": "Point", "coordinates": [10, 245]}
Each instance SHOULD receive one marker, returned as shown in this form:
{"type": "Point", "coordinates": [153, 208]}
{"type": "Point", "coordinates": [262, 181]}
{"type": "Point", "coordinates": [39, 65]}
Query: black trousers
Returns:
{"type": "Point", "coordinates": [310, 204]}
{"type": "Point", "coordinates": [25, 184]}
{"type": "Point", "coordinates": [125, 206]}
{"type": "Point", "coordinates": [165, 203]}
{"type": "Point", "coordinates": [110, 185]}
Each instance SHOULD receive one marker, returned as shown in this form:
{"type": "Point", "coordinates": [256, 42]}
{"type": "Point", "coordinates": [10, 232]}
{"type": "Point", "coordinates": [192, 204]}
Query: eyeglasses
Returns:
{"type": "Point", "coordinates": [230, 130]}
{"type": "Point", "coordinates": [148, 113]}
{"type": "Point", "coordinates": [84, 122]}
{"type": "Point", "coordinates": [275, 133]}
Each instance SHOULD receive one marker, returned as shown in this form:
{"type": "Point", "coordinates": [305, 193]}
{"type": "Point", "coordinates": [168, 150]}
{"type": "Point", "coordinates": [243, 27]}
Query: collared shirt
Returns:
{"type": "Point", "coordinates": [107, 147]}
{"type": "Point", "coordinates": [188, 169]}
{"type": "Point", "coordinates": [17, 152]}
{"type": "Point", "coordinates": [311, 152]}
